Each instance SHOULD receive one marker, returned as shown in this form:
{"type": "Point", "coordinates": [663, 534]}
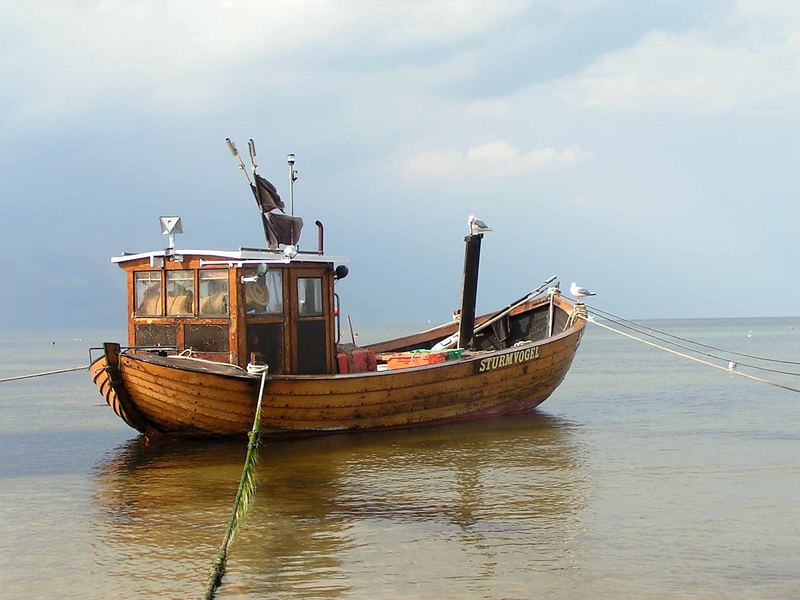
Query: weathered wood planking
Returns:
{"type": "Point", "coordinates": [190, 397]}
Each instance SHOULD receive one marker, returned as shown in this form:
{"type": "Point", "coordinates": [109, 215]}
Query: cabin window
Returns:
{"type": "Point", "coordinates": [206, 338]}
{"type": "Point", "coordinates": [155, 335]}
{"type": "Point", "coordinates": [265, 296]}
{"type": "Point", "coordinates": [148, 294]}
{"type": "Point", "coordinates": [180, 292]}
{"type": "Point", "coordinates": [213, 292]}
{"type": "Point", "coordinates": [309, 296]}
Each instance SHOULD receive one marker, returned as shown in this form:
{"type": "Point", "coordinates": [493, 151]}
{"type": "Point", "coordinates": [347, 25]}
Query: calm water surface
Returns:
{"type": "Point", "coordinates": [643, 476]}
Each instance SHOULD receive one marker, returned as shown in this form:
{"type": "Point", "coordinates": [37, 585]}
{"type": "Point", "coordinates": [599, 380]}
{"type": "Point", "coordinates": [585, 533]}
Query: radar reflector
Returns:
{"type": "Point", "coordinates": [170, 226]}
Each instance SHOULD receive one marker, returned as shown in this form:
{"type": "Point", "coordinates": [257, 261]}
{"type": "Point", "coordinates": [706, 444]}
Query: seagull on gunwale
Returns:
{"type": "Point", "coordinates": [477, 226]}
{"type": "Point", "coordinates": [579, 292]}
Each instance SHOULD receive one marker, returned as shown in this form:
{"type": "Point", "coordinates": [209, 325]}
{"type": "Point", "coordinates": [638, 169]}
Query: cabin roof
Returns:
{"type": "Point", "coordinates": [235, 256]}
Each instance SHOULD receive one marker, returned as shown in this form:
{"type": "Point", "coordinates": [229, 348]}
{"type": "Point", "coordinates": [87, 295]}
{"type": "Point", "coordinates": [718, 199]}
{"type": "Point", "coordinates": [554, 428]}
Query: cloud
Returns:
{"type": "Point", "coordinates": [745, 61]}
{"type": "Point", "coordinates": [493, 158]}
{"type": "Point", "coordinates": [61, 60]}
{"type": "Point", "coordinates": [411, 23]}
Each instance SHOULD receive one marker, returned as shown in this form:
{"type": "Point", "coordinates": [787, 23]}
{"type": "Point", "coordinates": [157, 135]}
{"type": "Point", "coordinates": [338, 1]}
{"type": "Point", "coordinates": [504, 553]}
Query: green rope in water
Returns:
{"type": "Point", "coordinates": [245, 493]}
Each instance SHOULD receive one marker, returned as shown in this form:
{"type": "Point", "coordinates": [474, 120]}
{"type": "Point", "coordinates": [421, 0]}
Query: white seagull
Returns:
{"type": "Point", "coordinates": [477, 226]}
{"type": "Point", "coordinates": [579, 292]}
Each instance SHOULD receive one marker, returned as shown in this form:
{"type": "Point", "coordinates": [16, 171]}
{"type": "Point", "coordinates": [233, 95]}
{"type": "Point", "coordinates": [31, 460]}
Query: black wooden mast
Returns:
{"type": "Point", "coordinates": [469, 291]}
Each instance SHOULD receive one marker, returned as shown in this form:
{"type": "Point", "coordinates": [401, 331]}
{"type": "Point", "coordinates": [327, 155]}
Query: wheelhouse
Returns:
{"type": "Point", "coordinates": [226, 306]}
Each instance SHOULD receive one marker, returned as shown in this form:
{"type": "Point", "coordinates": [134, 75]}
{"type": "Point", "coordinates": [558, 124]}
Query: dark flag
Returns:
{"type": "Point", "coordinates": [282, 229]}
{"type": "Point", "coordinates": [266, 195]}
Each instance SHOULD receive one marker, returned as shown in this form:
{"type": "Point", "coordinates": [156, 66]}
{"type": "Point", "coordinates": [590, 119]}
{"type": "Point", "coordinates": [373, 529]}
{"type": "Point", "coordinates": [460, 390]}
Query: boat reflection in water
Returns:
{"type": "Point", "coordinates": [484, 508]}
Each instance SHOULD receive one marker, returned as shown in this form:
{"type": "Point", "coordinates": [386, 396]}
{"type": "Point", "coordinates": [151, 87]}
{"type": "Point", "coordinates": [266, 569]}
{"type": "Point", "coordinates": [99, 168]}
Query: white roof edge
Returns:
{"type": "Point", "coordinates": [236, 256]}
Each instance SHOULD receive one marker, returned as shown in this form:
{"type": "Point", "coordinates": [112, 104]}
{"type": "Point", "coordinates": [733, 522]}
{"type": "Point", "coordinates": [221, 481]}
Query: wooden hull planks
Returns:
{"type": "Point", "coordinates": [99, 371]}
{"type": "Point", "coordinates": [181, 397]}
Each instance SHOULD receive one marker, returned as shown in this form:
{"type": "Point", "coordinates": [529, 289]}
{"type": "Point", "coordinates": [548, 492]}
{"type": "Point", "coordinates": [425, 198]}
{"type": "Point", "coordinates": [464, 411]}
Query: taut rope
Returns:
{"type": "Point", "coordinates": [694, 358]}
{"type": "Point", "coordinates": [620, 320]}
{"type": "Point", "coordinates": [644, 330]}
{"type": "Point", "coordinates": [32, 375]}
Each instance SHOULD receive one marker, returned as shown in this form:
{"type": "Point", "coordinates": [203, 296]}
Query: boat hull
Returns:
{"type": "Point", "coordinates": [175, 396]}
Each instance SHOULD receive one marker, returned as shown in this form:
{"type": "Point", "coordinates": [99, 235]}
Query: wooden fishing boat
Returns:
{"type": "Point", "coordinates": [200, 320]}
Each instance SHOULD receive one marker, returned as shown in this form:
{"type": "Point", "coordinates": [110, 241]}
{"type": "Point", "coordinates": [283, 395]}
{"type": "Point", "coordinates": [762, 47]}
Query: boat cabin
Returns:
{"type": "Point", "coordinates": [225, 306]}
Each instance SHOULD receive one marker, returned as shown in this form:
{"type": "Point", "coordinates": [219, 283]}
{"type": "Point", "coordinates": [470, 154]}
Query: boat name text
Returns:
{"type": "Point", "coordinates": [506, 360]}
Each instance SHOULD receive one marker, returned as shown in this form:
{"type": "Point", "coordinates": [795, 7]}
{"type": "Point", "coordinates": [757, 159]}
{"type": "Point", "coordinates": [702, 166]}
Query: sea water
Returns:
{"type": "Point", "coordinates": [643, 476]}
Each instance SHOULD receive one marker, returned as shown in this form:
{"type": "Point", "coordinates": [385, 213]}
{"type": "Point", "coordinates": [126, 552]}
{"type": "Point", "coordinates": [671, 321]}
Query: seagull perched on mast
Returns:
{"type": "Point", "coordinates": [579, 292]}
{"type": "Point", "coordinates": [477, 226]}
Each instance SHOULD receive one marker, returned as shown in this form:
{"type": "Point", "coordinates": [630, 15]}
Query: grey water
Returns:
{"type": "Point", "coordinates": [643, 476]}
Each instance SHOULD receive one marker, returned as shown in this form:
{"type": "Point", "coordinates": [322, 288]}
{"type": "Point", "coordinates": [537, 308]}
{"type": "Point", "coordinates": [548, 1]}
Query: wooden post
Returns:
{"type": "Point", "coordinates": [111, 350]}
{"type": "Point", "coordinates": [469, 291]}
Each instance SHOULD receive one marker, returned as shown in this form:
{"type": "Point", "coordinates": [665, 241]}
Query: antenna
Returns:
{"type": "Point", "coordinates": [293, 175]}
{"type": "Point", "coordinates": [251, 147]}
{"type": "Point", "coordinates": [235, 152]}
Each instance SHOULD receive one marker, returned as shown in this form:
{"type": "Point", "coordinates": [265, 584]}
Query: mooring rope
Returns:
{"type": "Point", "coordinates": [644, 330]}
{"type": "Point", "coordinates": [609, 315]}
{"type": "Point", "coordinates": [694, 358]}
{"type": "Point", "coordinates": [32, 375]}
{"type": "Point", "coordinates": [247, 487]}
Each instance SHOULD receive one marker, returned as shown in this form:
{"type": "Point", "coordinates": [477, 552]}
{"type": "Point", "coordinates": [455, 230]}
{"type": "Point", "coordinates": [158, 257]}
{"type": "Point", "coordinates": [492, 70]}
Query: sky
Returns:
{"type": "Point", "coordinates": [648, 151]}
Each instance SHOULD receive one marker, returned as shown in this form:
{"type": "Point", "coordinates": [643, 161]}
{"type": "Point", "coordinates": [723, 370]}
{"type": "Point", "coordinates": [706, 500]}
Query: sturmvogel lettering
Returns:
{"type": "Point", "coordinates": [506, 360]}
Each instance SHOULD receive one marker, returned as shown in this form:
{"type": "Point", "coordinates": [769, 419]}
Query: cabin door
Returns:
{"type": "Point", "coordinates": [266, 318]}
{"type": "Point", "coordinates": [311, 321]}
